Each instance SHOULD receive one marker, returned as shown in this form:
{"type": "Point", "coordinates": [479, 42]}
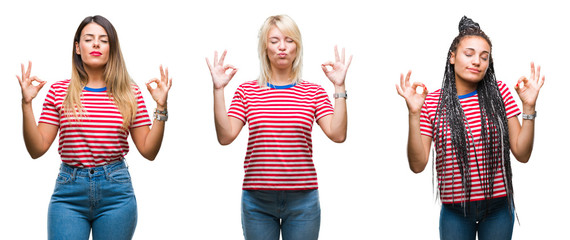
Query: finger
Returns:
{"type": "Point", "coordinates": [531, 70]}
{"type": "Point", "coordinates": [41, 85]}
{"type": "Point", "coordinates": [336, 57]}
{"type": "Point", "coordinates": [169, 83]}
{"type": "Point", "coordinates": [325, 70]}
{"type": "Point", "coordinates": [223, 57]}
{"type": "Point", "coordinates": [166, 77]}
{"type": "Point", "coordinates": [522, 80]}
{"type": "Point", "coordinates": [537, 74]}
{"type": "Point", "coordinates": [29, 69]}
{"type": "Point", "coordinates": [23, 72]}
{"type": "Point", "coordinates": [149, 82]}
{"type": "Point", "coordinates": [19, 79]}
{"type": "Point", "coordinates": [541, 83]}
{"type": "Point", "coordinates": [215, 58]}
{"type": "Point", "coordinates": [161, 72]}
{"type": "Point", "coordinates": [402, 83]}
{"type": "Point", "coordinates": [415, 86]}
{"type": "Point", "coordinates": [349, 61]}
{"type": "Point", "coordinates": [233, 72]}
{"type": "Point", "coordinates": [209, 66]}
{"type": "Point", "coordinates": [408, 78]}
{"type": "Point", "coordinates": [400, 92]}
{"type": "Point", "coordinates": [425, 93]}
{"type": "Point", "coordinates": [342, 56]}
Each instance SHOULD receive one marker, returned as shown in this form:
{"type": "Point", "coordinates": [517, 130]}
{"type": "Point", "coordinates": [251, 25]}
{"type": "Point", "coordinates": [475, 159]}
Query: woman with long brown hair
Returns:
{"type": "Point", "coordinates": [94, 112]}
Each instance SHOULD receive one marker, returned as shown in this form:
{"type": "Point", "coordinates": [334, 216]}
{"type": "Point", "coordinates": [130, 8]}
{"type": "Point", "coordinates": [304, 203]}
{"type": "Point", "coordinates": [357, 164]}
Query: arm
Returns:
{"type": "Point", "coordinates": [38, 138]}
{"type": "Point", "coordinates": [334, 126]}
{"type": "Point", "coordinates": [522, 138]}
{"type": "Point", "coordinates": [418, 145]}
{"type": "Point", "coordinates": [227, 128]}
{"type": "Point", "coordinates": [148, 140]}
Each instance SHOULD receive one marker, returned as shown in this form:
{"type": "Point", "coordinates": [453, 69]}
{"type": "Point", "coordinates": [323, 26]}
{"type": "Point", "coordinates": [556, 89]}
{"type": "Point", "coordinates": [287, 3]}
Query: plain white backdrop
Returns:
{"type": "Point", "coordinates": [193, 188]}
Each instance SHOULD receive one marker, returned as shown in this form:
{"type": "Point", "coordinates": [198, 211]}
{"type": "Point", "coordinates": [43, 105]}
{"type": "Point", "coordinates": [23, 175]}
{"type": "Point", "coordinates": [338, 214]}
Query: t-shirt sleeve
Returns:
{"type": "Point", "coordinates": [426, 126]}
{"type": "Point", "coordinates": [511, 107]}
{"type": "Point", "coordinates": [141, 118]}
{"type": "Point", "coordinates": [237, 107]}
{"type": "Point", "coordinates": [323, 104]}
{"type": "Point", "coordinates": [50, 115]}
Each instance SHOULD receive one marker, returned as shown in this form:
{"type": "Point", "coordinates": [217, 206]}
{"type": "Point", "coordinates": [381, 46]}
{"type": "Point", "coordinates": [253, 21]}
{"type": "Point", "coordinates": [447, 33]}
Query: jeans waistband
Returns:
{"type": "Point", "coordinates": [94, 171]}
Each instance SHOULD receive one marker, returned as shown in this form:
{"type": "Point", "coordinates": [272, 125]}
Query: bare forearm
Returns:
{"type": "Point", "coordinates": [525, 140]}
{"type": "Point", "coordinates": [338, 123]}
{"type": "Point", "coordinates": [221, 119]}
{"type": "Point", "coordinates": [153, 140]}
{"type": "Point", "coordinates": [417, 156]}
{"type": "Point", "coordinates": [32, 136]}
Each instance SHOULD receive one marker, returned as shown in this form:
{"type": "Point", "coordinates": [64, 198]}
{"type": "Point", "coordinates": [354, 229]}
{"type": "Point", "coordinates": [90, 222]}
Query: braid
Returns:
{"type": "Point", "coordinates": [453, 131]}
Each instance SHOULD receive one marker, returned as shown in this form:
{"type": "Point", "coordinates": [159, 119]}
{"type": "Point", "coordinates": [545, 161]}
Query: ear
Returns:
{"type": "Point", "coordinates": [452, 58]}
{"type": "Point", "coordinates": [77, 50]}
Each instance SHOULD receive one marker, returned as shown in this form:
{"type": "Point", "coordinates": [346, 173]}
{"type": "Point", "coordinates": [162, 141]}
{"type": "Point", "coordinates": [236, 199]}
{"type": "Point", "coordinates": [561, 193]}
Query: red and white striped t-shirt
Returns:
{"type": "Point", "coordinates": [97, 139]}
{"type": "Point", "coordinates": [452, 191]}
{"type": "Point", "coordinates": [279, 152]}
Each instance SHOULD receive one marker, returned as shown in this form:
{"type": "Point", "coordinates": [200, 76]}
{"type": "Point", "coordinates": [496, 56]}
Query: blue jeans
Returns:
{"type": "Point", "coordinates": [265, 213]}
{"type": "Point", "coordinates": [490, 220]}
{"type": "Point", "coordinates": [99, 199]}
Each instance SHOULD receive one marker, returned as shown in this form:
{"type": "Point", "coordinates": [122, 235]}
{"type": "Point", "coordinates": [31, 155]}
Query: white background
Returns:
{"type": "Point", "coordinates": [193, 189]}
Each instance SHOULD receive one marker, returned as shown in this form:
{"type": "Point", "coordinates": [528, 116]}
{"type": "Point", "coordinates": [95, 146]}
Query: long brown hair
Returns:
{"type": "Point", "coordinates": [117, 79]}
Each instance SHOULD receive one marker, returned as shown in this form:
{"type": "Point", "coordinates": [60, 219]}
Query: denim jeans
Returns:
{"type": "Point", "coordinates": [99, 199]}
{"type": "Point", "coordinates": [490, 220]}
{"type": "Point", "coordinates": [297, 214]}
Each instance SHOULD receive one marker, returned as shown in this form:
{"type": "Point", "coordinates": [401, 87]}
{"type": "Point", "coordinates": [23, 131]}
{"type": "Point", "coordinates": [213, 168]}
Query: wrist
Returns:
{"type": "Point", "coordinates": [528, 109]}
{"type": "Point", "coordinates": [339, 88]}
{"type": "Point", "coordinates": [24, 102]}
{"type": "Point", "coordinates": [160, 107]}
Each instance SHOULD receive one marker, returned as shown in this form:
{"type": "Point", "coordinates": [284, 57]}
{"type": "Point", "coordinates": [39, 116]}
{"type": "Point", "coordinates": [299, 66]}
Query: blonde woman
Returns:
{"type": "Point", "coordinates": [280, 183]}
{"type": "Point", "coordinates": [94, 112]}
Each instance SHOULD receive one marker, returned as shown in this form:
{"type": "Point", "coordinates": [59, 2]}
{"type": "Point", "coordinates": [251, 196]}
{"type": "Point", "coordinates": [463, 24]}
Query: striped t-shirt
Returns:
{"type": "Point", "coordinates": [279, 152]}
{"type": "Point", "coordinates": [98, 138]}
{"type": "Point", "coordinates": [452, 191]}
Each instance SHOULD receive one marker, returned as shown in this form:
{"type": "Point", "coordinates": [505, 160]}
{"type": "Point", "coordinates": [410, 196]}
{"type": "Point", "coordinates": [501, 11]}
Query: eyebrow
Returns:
{"type": "Point", "coordinates": [93, 35]}
{"type": "Point", "coordinates": [474, 50]}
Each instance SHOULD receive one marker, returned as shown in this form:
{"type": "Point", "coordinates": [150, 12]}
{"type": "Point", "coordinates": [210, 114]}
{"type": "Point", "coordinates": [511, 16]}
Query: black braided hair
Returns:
{"type": "Point", "coordinates": [450, 120]}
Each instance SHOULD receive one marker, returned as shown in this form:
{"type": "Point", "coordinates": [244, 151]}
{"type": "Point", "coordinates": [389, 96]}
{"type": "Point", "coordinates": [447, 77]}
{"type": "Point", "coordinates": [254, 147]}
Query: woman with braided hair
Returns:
{"type": "Point", "coordinates": [472, 122]}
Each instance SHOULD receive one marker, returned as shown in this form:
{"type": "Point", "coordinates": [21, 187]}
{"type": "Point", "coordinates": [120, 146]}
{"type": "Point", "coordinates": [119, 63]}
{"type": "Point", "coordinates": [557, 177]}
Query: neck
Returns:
{"type": "Point", "coordinates": [464, 87]}
{"type": "Point", "coordinates": [280, 76]}
{"type": "Point", "coordinates": [96, 77]}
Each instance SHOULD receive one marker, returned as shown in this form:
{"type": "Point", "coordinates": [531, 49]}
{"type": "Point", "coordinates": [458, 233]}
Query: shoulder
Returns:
{"type": "Point", "coordinates": [433, 96]}
{"type": "Point", "coordinates": [135, 87]}
{"type": "Point", "coordinates": [60, 86]}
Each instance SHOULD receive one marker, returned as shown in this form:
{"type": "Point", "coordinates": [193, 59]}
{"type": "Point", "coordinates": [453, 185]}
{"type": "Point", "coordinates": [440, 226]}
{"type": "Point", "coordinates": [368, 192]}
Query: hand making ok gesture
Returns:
{"type": "Point", "coordinates": [218, 71]}
{"type": "Point", "coordinates": [529, 91]}
{"type": "Point", "coordinates": [160, 93]}
{"type": "Point", "coordinates": [29, 91]}
{"type": "Point", "coordinates": [414, 100]}
{"type": "Point", "coordinates": [338, 72]}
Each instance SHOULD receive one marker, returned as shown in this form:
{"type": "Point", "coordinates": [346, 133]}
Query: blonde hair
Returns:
{"type": "Point", "coordinates": [289, 28]}
{"type": "Point", "coordinates": [117, 79]}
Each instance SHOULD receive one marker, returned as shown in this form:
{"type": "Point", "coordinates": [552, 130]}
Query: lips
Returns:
{"type": "Point", "coordinates": [282, 54]}
{"type": "Point", "coordinates": [95, 53]}
{"type": "Point", "coordinates": [473, 70]}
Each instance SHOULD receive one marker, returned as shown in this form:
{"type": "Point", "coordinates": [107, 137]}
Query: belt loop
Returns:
{"type": "Point", "coordinates": [74, 174]}
{"type": "Point", "coordinates": [125, 160]}
{"type": "Point", "coordinates": [106, 171]}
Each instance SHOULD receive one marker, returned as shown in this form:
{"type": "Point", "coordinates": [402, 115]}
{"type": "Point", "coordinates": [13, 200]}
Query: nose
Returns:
{"type": "Point", "coordinates": [96, 43]}
{"type": "Point", "coordinates": [282, 46]}
{"type": "Point", "coordinates": [476, 61]}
